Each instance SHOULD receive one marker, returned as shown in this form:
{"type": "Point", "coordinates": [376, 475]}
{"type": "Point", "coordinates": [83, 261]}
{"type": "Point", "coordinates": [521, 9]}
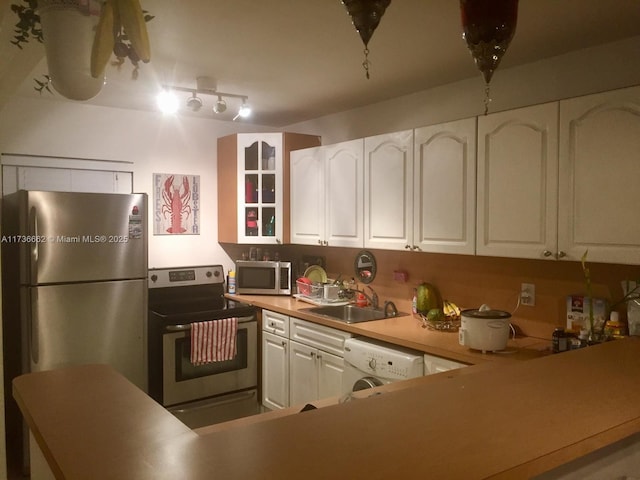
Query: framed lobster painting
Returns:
{"type": "Point", "coordinates": [176, 204]}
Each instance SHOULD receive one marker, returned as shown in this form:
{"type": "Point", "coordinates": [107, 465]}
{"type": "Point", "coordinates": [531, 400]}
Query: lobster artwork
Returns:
{"type": "Point", "coordinates": [176, 203]}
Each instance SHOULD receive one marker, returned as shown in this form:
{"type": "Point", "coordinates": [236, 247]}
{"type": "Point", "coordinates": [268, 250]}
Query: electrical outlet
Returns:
{"type": "Point", "coordinates": [528, 294]}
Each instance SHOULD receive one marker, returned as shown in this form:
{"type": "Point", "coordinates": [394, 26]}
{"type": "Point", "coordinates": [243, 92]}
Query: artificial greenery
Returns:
{"type": "Point", "coordinates": [29, 27]}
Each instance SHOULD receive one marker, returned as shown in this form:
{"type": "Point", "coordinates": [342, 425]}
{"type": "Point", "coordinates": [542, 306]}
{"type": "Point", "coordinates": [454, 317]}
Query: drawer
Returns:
{"type": "Point", "coordinates": [324, 338]}
{"type": "Point", "coordinates": [276, 323]}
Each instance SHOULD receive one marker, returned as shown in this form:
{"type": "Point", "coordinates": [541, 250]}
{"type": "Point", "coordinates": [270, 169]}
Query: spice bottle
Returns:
{"type": "Point", "coordinates": [414, 301]}
{"type": "Point", "coordinates": [231, 281]}
{"type": "Point", "coordinates": [559, 340]}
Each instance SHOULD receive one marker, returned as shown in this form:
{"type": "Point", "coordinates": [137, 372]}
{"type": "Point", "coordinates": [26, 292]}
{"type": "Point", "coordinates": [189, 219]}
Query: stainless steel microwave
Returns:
{"type": "Point", "coordinates": [263, 277]}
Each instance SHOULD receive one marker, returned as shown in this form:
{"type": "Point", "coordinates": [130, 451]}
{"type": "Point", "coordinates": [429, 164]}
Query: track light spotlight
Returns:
{"type": "Point", "coordinates": [194, 102]}
{"type": "Point", "coordinates": [167, 102]}
{"type": "Point", "coordinates": [245, 109]}
{"type": "Point", "coordinates": [220, 105]}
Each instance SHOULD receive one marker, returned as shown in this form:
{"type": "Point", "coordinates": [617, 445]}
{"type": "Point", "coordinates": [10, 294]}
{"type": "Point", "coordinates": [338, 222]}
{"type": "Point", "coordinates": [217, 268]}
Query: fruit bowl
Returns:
{"type": "Point", "coordinates": [448, 324]}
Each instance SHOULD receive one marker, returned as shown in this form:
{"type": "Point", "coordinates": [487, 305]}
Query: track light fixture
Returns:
{"type": "Point", "coordinates": [168, 103]}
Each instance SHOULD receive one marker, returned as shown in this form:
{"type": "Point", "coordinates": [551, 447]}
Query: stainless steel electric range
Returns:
{"type": "Point", "coordinates": [205, 394]}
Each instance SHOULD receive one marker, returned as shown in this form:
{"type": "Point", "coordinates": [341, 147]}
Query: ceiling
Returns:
{"type": "Point", "coordinates": [298, 60]}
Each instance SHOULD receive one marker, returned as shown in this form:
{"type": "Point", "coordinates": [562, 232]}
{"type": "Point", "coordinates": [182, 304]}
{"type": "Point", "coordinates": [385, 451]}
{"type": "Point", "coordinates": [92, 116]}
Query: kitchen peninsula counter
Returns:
{"type": "Point", "coordinates": [512, 421]}
{"type": "Point", "coordinates": [406, 331]}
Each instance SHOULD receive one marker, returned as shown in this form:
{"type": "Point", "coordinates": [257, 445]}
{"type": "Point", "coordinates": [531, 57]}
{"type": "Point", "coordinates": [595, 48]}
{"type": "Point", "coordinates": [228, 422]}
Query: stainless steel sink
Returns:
{"type": "Point", "coordinates": [350, 313]}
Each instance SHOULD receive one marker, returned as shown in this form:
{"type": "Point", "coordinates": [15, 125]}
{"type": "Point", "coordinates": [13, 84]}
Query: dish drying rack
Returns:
{"type": "Point", "coordinates": [313, 293]}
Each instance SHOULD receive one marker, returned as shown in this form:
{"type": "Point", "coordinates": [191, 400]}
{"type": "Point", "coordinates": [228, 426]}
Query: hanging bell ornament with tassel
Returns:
{"type": "Point", "coordinates": [366, 15]}
{"type": "Point", "coordinates": [488, 27]}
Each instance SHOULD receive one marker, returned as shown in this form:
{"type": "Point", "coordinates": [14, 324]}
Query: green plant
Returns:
{"type": "Point", "coordinates": [587, 279]}
{"type": "Point", "coordinates": [28, 23]}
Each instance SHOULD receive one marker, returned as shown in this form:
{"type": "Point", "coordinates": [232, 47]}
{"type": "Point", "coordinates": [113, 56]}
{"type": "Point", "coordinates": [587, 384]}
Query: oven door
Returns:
{"type": "Point", "coordinates": [184, 382]}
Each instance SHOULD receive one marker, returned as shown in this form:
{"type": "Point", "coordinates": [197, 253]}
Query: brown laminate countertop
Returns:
{"type": "Point", "coordinates": [406, 331]}
{"type": "Point", "coordinates": [514, 421]}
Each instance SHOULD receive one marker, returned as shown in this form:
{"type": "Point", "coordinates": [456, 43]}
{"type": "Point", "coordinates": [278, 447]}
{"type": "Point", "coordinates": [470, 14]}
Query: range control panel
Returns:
{"type": "Point", "coordinates": [181, 276]}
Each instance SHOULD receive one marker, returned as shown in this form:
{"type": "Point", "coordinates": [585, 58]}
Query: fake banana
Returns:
{"type": "Point", "coordinates": [451, 310]}
{"type": "Point", "coordinates": [132, 20]}
{"type": "Point", "coordinates": [103, 40]}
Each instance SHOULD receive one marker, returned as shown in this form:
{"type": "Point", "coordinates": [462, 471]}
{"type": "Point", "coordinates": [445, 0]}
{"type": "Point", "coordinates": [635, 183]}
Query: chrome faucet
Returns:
{"type": "Point", "coordinates": [390, 309]}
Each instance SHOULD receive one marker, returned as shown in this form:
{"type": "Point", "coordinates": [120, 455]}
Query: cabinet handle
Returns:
{"type": "Point", "coordinates": [407, 247]}
{"type": "Point", "coordinates": [561, 254]}
{"type": "Point", "coordinates": [325, 243]}
{"type": "Point", "coordinates": [319, 357]}
{"type": "Point", "coordinates": [284, 345]}
{"type": "Point", "coordinates": [319, 242]}
{"type": "Point", "coordinates": [278, 241]}
{"type": "Point", "coordinates": [547, 253]}
{"type": "Point", "coordinates": [272, 324]}
{"type": "Point", "coordinates": [312, 354]}
{"type": "Point", "coordinates": [415, 247]}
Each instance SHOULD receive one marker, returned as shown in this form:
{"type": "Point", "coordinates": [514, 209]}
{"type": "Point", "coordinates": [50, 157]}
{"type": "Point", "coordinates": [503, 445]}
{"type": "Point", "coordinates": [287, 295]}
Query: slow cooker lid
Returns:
{"type": "Point", "coordinates": [480, 313]}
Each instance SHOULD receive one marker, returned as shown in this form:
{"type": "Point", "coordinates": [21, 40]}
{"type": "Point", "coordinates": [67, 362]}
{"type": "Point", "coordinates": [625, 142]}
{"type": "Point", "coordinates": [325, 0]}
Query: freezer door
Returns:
{"type": "Point", "coordinates": [88, 323]}
{"type": "Point", "coordinates": [76, 237]}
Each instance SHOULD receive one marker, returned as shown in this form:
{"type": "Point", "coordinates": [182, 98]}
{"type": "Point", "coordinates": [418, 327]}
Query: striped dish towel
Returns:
{"type": "Point", "coordinates": [213, 341]}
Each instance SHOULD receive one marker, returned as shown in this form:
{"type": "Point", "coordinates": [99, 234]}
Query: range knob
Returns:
{"type": "Point", "coordinates": [154, 278]}
{"type": "Point", "coordinates": [372, 363]}
{"type": "Point", "coordinates": [208, 274]}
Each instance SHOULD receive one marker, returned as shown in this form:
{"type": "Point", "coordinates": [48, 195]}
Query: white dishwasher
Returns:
{"type": "Point", "coordinates": [370, 363]}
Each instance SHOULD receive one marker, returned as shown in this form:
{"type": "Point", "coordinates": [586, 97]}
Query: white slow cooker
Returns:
{"type": "Point", "coordinates": [484, 329]}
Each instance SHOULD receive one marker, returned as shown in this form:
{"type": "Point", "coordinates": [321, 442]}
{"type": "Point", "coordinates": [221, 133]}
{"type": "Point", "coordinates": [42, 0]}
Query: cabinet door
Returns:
{"type": "Point", "coordinates": [307, 196]}
{"type": "Point", "coordinates": [517, 182]}
{"type": "Point", "coordinates": [445, 188]}
{"type": "Point", "coordinates": [303, 374]}
{"type": "Point", "coordinates": [600, 177]}
{"type": "Point", "coordinates": [388, 190]}
{"type": "Point", "coordinates": [330, 369]}
{"type": "Point", "coordinates": [260, 172]}
{"type": "Point", "coordinates": [275, 371]}
{"type": "Point", "coordinates": [343, 199]}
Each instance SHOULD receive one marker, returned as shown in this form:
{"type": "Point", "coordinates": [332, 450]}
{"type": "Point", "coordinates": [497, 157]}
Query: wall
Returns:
{"type": "Point", "coordinates": [152, 142]}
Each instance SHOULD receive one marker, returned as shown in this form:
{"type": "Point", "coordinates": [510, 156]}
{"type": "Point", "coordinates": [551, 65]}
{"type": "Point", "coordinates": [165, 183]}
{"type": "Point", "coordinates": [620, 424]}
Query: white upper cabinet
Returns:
{"type": "Point", "coordinates": [307, 196]}
{"type": "Point", "coordinates": [388, 190]}
{"type": "Point", "coordinates": [517, 198]}
{"type": "Point", "coordinates": [599, 177]}
{"type": "Point", "coordinates": [253, 186]}
{"type": "Point", "coordinates": [445, 188]}
{"type": "Point", "coordinates": [326, 195]}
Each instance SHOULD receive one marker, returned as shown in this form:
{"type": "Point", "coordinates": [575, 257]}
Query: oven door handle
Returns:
{"type": "Point", "coordinates": [186, 327]}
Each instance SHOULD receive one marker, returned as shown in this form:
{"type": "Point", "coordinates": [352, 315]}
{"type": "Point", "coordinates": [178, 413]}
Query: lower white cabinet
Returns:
{"type": "Point", "coordinates": [433, 364]}
{"type": "Point", "coordinates": [301, 361]}
{"type": "Point", "coordinates": [275, 371]}
{"type": "Point", "coordinates": [275, 360]}
{"type": "Point", "coordinates": [313, 374]}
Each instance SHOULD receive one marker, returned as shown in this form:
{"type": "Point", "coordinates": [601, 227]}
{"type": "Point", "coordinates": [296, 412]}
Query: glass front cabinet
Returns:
{"type": "Point", "coordinates": [253, 186]}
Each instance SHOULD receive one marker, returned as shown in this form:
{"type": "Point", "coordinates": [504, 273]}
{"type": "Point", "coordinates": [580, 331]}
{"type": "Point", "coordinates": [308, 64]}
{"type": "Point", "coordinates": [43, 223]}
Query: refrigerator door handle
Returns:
{"type": "Point", "coordinates": [32, 326]}
{"type": "Point", "coordinates": [34, 251]}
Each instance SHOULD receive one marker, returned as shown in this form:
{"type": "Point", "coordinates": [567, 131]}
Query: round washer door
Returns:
{"type": "Point", "coordinates": [365, 383]}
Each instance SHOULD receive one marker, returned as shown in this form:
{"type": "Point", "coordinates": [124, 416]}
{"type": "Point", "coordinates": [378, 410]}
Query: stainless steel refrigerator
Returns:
{"type": "Point", "coordinates": [75, 280]}
{"type": "Point", "coordinates": [83, 280]}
